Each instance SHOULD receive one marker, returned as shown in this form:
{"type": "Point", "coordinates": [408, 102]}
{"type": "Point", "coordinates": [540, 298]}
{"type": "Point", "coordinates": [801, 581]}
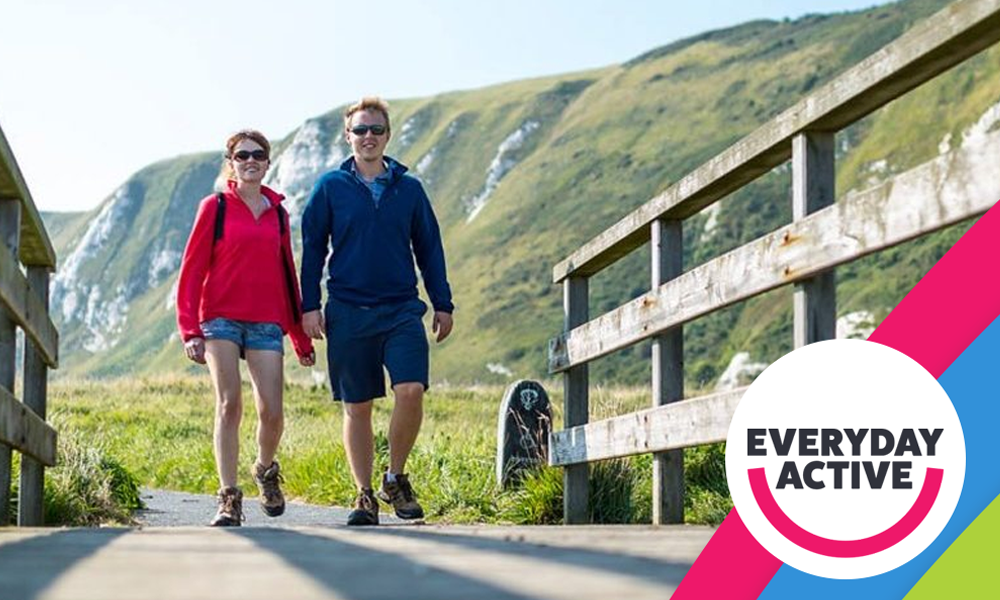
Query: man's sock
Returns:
{"type": "Point", "coordinates": [390, 477]}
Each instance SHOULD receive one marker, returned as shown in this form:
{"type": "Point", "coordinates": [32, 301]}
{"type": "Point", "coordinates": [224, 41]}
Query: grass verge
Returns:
{"type": "Point", "coordinates": [160, 430]}
{"type": "Point", "coordinates": [88, 487]}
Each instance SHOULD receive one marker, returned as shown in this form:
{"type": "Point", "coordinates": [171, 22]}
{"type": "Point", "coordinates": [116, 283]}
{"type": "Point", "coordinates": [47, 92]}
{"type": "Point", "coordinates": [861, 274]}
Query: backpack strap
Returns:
{"type": "Point", "coordinates": [289, 277]}
{"type": "Point", "coordinates": [220, 217]}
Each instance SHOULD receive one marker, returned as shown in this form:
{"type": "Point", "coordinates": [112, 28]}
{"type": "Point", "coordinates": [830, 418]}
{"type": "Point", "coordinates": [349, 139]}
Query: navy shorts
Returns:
{"type": "Point", "coordinates": [246, 334]}
{"type": "Point", "coordinates": [361, 340]}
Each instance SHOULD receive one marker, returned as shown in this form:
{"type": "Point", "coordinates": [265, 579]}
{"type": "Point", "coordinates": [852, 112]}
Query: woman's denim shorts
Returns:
{"type": "Point", "coordinates": [245, 334]}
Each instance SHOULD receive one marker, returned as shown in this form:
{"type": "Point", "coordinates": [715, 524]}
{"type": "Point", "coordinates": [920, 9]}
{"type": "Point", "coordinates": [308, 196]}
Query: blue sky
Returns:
{"type": "Point", "coordinates": [90, 92]}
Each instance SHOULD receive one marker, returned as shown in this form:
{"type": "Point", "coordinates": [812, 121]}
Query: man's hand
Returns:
{"type": "Point", "coordinates": [313, 324]}
{"type": "Point", "coordinates": [308, 360]}
{"type": "Point", "coordinates": [194, 348]}
{"type": "Point", "coordinates": [442, 325]}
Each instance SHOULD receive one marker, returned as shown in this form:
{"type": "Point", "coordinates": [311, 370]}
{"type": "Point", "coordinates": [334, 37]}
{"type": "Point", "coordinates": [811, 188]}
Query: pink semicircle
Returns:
{"type": "Point", "coordinates": [845, 548]}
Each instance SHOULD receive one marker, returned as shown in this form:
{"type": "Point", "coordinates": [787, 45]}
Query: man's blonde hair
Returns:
{"type": "Point", "coordinates": [372, 103]}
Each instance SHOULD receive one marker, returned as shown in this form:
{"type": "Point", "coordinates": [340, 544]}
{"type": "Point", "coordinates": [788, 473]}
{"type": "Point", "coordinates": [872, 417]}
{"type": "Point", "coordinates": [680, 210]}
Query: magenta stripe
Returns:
{"type": "Point", "coordinates": [952, 304]}
{"type": "Point", "coordinates": [733, 566]}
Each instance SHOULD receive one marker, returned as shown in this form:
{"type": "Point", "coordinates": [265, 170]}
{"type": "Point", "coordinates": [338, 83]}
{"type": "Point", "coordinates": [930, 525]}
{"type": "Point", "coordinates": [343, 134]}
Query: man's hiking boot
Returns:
{"type": "Point", "coordinates": [268, 480]}
{"type": "Point", "coordinates": [400, 495]}
{"type": "Point", "coordinates": [365, 509]}
{"type": "Point", "coordinates": [230, 513]}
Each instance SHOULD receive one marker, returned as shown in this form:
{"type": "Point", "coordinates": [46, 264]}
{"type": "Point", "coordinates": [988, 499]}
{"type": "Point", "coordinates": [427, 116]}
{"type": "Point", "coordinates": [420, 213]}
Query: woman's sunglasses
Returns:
{"type": "Point", "coordinates": [362, 130]}
{"type": "Point", "coordinates": [244, 155]}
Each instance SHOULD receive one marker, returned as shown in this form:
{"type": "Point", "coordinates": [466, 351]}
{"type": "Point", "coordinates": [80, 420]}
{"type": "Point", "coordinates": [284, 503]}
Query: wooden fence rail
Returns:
{"type": "Point", "coordinates": [24, 304]}
{"type": "Point", "coordinates": [823, 234]}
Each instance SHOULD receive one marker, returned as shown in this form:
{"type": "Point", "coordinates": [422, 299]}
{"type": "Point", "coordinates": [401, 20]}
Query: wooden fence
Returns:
{"type": "Point", "coordinates": [958, 185]}
{"type": "Point", "coordinates": [24, 303]}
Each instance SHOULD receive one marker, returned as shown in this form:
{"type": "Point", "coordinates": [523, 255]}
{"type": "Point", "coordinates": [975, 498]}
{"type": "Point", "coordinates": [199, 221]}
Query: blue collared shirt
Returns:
{"type": "Point", "coordinates": [375, 186]}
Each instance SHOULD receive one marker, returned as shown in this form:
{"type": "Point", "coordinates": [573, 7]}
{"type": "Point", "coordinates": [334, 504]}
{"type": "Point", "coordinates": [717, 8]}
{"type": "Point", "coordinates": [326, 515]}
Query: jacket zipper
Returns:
{"type": "Point", "coordinates": [371, 196]}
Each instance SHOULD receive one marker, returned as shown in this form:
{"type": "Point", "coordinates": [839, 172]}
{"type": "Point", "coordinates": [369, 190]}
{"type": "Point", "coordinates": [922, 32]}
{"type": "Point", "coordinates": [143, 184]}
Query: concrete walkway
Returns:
{"type": "Point", "coordinates": [398, 562]}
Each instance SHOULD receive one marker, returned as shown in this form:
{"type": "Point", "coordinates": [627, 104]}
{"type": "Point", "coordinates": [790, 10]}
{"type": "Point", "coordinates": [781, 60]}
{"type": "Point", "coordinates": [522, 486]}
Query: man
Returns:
{"type": "Point", "coordinates": [377, 219]}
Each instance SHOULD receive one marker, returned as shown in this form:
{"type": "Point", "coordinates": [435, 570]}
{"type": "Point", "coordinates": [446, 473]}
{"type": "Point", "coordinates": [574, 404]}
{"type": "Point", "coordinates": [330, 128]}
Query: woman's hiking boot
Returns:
{"type": "Point", "coordinates": [399, 494]}
{"type": "Point", "coordinates": [268, 480]}
{"type": "Point", "coordinates": [230, 513]}
{"type": "Point", "coordinates": [365, 509]}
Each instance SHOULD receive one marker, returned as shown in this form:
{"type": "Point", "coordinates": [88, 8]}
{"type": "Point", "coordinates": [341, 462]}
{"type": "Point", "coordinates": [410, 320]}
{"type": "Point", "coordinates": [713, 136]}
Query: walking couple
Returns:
{"type": "Point", "coordinates": [238, 295]}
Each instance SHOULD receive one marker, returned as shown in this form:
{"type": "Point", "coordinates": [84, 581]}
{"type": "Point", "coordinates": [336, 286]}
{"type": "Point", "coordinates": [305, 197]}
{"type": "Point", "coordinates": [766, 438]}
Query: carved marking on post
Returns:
{"type": "Point", "coordinates": [523, 428]}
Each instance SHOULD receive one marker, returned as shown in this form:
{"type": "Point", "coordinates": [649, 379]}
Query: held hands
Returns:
{"type": "Point", "coordinates": [308, 360]}
{"type": "Point", "coordinates": [313, 324]}
{"type": "Point", "coordinates": [442, 325]}
{"type": "Point", "coordinates": [194, 349]}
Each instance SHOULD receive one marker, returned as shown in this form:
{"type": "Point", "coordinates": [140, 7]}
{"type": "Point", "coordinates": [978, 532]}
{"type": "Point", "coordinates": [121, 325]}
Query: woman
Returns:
{"type": "Point", "coordinates": [237, 297]}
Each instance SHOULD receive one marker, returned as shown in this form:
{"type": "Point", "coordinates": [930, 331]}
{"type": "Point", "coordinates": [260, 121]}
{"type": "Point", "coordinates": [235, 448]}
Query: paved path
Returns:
{"type": "Point", "coordinates": [172, 509]}
{"type": "Point", "coordinates": [279, 559]}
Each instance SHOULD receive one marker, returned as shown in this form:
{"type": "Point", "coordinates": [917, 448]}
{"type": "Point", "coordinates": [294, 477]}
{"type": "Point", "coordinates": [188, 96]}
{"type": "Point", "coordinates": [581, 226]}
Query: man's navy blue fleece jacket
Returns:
{"type": "Point", "coordinates": [372, 260]}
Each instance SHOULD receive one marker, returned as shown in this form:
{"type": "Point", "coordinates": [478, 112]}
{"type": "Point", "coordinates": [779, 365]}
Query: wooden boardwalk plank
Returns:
{"type": "Point", "coordinates": [419, 562]}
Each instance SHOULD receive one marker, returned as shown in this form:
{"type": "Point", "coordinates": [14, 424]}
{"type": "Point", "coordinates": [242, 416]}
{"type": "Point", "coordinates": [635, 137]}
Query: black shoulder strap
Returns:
{"type": "Point", "coordinates": [289, 276]}
{"type": "Point", "coordinates": [220, 217]}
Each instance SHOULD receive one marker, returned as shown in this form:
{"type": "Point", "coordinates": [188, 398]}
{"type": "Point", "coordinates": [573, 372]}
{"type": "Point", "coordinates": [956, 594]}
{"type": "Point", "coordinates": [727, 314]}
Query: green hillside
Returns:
{"type": "Point", "coordinates": [522, 173]}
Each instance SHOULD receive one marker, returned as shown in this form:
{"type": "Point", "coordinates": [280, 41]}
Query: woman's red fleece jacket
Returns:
{"type": "Point", "coordinates": [239, 276]}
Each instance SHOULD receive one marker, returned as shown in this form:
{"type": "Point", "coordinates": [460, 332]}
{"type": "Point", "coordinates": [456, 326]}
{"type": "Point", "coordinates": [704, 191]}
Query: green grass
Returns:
{"type": "Point", "coordinates": [160, 430]}
{"type": "Point", "coordinates": [88, 487]}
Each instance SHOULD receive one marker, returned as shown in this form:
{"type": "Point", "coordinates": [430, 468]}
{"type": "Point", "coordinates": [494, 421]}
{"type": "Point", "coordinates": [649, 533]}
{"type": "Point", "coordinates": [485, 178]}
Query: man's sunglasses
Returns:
{"type": "Point", "coordinates": [244, 155]}
{"type": "Point", "coordinates": [362, 130]}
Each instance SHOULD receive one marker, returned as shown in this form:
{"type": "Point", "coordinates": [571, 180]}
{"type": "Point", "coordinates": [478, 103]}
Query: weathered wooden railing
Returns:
{"type": "Point", "coordinates": [24, 304]}
{"type": "Point", "coordinates": [823, 234]}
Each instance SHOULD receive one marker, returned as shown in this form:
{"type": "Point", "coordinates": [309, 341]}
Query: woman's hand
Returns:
{"type": "Point", "coordinates": [194, 348]}
{"type": "Point", "coordinates": [308, 360]}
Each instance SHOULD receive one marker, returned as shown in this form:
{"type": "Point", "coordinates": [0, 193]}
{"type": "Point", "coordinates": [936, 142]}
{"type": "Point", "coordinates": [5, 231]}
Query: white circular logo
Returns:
{"type": "Point", "coordinates": [845, 459]}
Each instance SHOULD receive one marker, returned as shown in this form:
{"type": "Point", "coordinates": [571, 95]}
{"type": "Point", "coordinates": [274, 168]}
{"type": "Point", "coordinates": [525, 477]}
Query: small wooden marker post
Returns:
{"type": "Point", "coordinates": [523, 427]}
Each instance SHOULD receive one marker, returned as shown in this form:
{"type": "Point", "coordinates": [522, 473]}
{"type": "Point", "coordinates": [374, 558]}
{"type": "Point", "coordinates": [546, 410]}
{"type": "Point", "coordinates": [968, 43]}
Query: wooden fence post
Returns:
{"type": "Point", "coordinates": [10, 229]}
{"type": "Point", "coordinates": [32, 489]}
{"type": "Point", "coordinates": [668, 374]}
{"type": "Point", "coordinates": [576, 406]}
{"type": "Point", "coordinates": [813, 177]}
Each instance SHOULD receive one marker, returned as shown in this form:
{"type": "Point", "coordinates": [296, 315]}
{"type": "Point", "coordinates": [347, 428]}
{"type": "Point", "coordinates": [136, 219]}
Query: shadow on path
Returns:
{"type": "Point", "coordinates": [359, 573]}
{"type": "Point", "coordinates": [658, 571]}
{"type": "Point", "coordinates": [29, 566]}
